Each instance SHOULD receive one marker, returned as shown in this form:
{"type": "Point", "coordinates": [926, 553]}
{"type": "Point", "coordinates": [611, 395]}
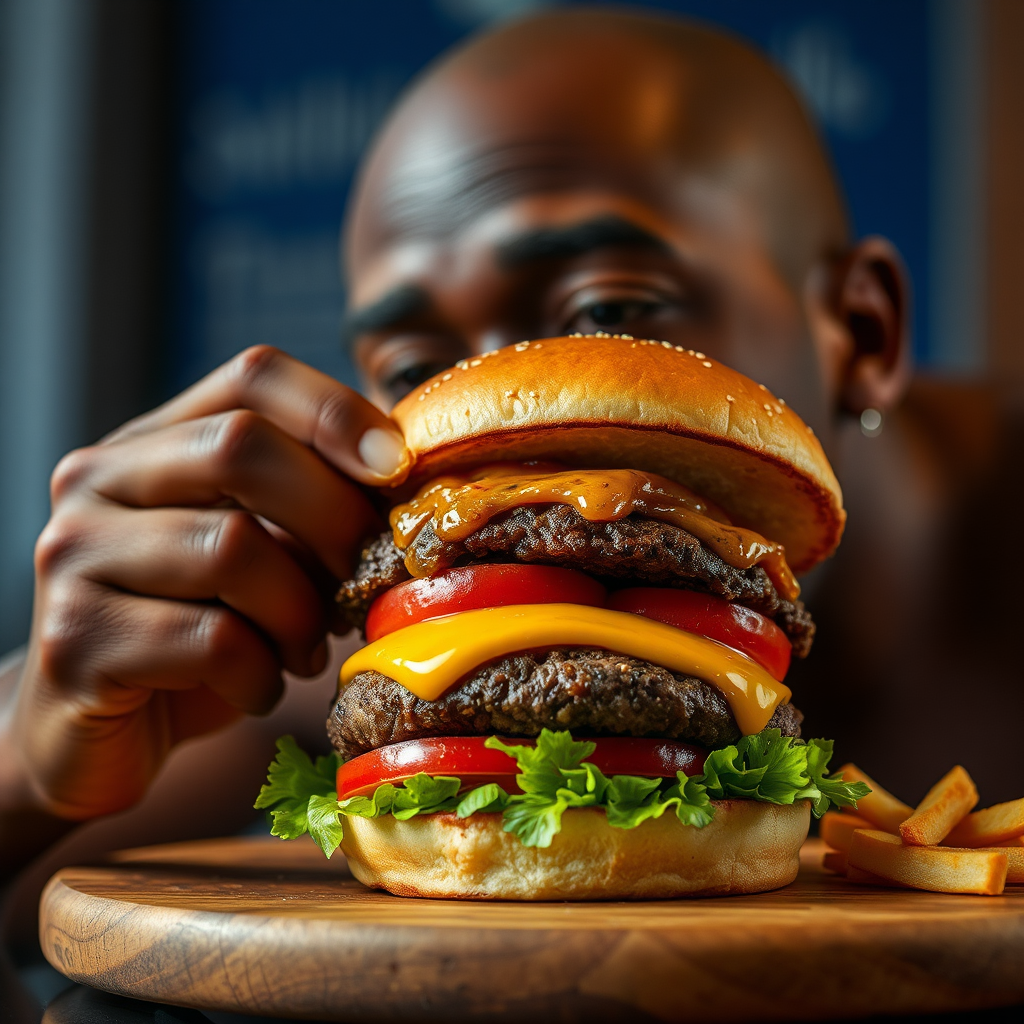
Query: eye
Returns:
{"type": "Point", "coordinates": [399, 382]}
{"type": "Point", "coordinates": [635, 311]}
{"type": "Point", "coordinates": [392, 367]}
{"type": "Point", "coordinates": [615, 314]}
{"type": "Point", "coordinates": [404, 380]}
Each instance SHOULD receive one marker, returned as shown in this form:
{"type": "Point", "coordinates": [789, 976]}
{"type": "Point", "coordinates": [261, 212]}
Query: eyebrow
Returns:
{"type": "Point", "coordinates": [396, 305]}
{"type": "Point", "coordinates": [572, 240]}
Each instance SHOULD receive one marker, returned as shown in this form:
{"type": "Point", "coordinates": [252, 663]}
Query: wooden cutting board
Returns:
{"type": "Point", "coordinates": [262, 926]}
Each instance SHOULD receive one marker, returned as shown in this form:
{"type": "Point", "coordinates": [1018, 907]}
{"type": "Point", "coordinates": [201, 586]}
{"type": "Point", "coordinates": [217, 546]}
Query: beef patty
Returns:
{"type": "Point", "coordinates": [632, 549]}
{"type": "Point", "coordinates": [590, 692]}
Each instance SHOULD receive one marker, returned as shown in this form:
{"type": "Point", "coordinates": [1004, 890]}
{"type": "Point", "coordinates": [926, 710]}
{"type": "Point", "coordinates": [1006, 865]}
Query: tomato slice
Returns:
{"type": "Point", "coordinates": [467, 758]}
{"type": "Point", "coordinates": [491, 586]}
{"type": "Point", "coordinates": [729, 623]}
{"type": "Point", "coordinates": [479, 586]}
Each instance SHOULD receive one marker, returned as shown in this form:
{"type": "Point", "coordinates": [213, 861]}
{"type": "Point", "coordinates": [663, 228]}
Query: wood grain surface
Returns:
{"type": "Point", "coordinates": [260, 926]}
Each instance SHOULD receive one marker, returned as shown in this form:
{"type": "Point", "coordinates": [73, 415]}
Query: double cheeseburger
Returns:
{"type": "Point", "coordinates": [578, 629]}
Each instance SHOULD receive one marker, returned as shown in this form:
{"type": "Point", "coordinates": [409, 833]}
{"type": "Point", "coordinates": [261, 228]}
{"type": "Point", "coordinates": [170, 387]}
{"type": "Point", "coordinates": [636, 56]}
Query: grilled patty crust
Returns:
{"type": "Point", "coordinates": [633, 549]}
{"type": "Point", "coordinates": [591, 692]}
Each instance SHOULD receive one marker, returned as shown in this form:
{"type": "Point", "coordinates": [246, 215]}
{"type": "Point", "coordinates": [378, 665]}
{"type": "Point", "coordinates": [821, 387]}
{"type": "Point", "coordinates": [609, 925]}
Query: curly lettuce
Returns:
{"type": "Point", "coordinates": [554, 776]}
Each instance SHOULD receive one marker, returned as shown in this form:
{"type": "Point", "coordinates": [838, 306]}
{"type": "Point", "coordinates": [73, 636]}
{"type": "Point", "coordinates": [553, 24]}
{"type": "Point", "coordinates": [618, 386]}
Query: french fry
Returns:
{"type": "Point", "coordinates": [879, 807]}
{"type": "Point", "coordinates": [834, 860]}
{"type": "Point", "coordinates": [1014, 861]}
{"type": "Point", "coordinates": [836, 829]}
{"type": "Point", "coordinates": [989, 827]}
{"type": "Point", "coordinates": [936, 868]}
{"type": "Point", "coordinates": [945, 804]}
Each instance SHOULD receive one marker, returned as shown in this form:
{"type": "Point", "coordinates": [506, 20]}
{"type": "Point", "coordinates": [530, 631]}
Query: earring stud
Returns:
{"type": "Point", "coordinates": [871, 423]}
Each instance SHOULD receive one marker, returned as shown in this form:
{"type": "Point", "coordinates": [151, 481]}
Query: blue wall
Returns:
{"type": "Point", "coordinates": [275, 101]}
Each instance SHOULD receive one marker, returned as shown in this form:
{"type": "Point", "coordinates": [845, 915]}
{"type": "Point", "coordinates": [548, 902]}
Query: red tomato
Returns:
{"type": "Point", "coordinates": [478, 586]}
{"type": "Point", "coordinates": [466, 758]}
{"type": "Point", "coordinates": [732, 624]}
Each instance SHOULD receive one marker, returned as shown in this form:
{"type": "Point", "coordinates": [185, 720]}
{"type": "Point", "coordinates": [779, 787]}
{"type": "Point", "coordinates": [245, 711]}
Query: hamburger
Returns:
{"type": "Point", "coordinates": [578, 627]}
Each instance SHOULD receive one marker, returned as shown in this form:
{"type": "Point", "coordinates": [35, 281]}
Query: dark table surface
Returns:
{"type": "Point", "coordinates": [35, 993]}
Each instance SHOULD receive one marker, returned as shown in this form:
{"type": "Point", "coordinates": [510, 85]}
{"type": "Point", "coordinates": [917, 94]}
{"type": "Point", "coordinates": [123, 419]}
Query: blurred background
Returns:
{"type": "Point", "coordinates": [172, 178]}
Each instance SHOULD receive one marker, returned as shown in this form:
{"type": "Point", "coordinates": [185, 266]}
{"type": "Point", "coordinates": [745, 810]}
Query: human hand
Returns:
{"type": "Point", "coordinates": [191, 556]}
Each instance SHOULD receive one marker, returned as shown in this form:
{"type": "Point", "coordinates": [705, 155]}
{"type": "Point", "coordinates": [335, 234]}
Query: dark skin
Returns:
{"type": "Point", "coordinates": [649, 179]}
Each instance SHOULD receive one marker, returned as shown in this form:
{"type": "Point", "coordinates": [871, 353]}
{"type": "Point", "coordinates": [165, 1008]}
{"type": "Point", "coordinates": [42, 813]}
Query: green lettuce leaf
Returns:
{"type": "Point", "coordinates": [766, 766]}
{"type": "Point", "coordinates": [554, 776]}
{"type": "Point", "coordinates": [534, 820]}
{"type": "Point", "coordinates": [293, 780]}
{"type": "Point", "coordinates": [381, 802]}
{"type": "Point", "coordinates": [421, 794]}
{"type": "Point", "coordinates": [425, 794]}
{"type": "Point", "coordinates": [483, 799]}
{"type": "Point", "coordinates": [689, 797]}
{"type": "Point", "coordinates": [780, 770]}
{"type": "Point", "coordinates": [630, 800]}
{"type": "Point", "coordinates": [825, 790]}
{"type": "Point", "coordinates": [323, 822]}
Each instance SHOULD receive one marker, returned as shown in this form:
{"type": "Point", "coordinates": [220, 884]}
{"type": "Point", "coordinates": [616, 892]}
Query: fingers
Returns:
{"type": "Point", "coordinates": [208, 555]}
{"type": "Point", "coordinates": [352, 434]}
{"type": "Point", "coordinates": [114, 653]}
{"type": "Point", "coordinates": [239, 456]}
{"type": "Point", "coordinates": [182, 570]}
{"type": "Point", "coordinates": [198, 645]}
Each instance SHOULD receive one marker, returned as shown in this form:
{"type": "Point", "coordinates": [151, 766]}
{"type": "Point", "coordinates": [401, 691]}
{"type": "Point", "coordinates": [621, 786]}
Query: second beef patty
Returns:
{"type": "Point", "coordinates": [590, 692]}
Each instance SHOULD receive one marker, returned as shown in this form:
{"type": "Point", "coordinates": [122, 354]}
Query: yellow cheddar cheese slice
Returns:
{"type": "Point", "coordinates": [429, 657]}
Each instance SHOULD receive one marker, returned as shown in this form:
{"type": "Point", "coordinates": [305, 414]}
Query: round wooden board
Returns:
{"type": "Point", "coordinates": [260, 926]}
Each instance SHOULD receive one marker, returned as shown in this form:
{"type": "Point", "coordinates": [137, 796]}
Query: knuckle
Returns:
{"type": "Point", "coordinates": [69, 473]}
{"type": "Point", "coordinates": [215, 634]}
{"type": "Point", "coordinates": [58, 544]}
{"type": "Point", "coordinates": [254, 364]}
{"type": "Point", "coordinates": [69, 628]}
{"type": "Point", "coordinates": [237, 439]}
{"type": "Point", "coordinates": [334, 417]}
{"type": "Point", "coordinates": [230, 543]}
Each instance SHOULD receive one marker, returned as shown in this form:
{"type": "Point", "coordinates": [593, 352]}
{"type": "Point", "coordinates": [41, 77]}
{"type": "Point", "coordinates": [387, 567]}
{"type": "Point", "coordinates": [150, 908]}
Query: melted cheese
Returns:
{"type": "Point", "coordinates": [428, 658]}
{"type": "Point", "coordinates": [457, 506]}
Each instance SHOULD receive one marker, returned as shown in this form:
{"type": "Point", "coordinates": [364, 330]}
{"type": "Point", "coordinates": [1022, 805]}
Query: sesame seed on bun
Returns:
{"type": "Point", "coordinates": [608, 401]}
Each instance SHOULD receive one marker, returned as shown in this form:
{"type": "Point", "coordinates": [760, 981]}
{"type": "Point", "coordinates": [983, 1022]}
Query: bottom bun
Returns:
{"type": "Point", "coordinates": [748, 847]}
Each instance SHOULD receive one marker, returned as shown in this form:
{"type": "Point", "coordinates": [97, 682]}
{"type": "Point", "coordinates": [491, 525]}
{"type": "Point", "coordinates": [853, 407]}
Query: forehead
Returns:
{"type": "Point", "coordinates": [474, 138]}
{"type": "Point", "coordinates": [627, 120]}
{"type": "Point", "coordinates": [703, 221]}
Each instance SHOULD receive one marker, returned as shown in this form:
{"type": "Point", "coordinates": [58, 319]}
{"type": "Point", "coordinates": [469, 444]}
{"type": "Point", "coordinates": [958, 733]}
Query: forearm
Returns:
{"type": "Point", "coordinates": [26, 829]}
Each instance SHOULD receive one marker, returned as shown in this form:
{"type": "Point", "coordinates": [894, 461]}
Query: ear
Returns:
{"type": "Point", "coordinates": [866, 331]}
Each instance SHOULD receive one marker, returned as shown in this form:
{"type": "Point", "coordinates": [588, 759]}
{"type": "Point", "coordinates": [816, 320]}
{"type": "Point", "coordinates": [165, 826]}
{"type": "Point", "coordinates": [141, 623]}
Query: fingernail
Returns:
{"type": "Point", "coordinates": [383, 451]}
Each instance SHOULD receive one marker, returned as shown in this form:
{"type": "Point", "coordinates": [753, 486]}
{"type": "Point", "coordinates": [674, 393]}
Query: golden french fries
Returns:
{"type": "Point", "coordinates": [989, 827]}
{"type": "Point", "coordinates": [946, 803]}
{"type": "Point", "coordinates": [837, 827]}
{"type": "Point", "coordinates": [936, 868]}
{"type": "Point", "coordinates": [1014, 863]}
{"type": "Point", "coordinates": [885, 842]}
{"type": "Point", "coordinates": [879, 807]}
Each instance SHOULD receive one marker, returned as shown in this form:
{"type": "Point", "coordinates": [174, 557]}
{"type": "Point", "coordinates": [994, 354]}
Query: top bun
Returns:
{"type": "Point", "coordinates": [616, 402]}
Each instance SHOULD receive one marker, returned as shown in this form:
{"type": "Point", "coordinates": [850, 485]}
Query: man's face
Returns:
{"type": "Point", "coordinates": [510, 235]}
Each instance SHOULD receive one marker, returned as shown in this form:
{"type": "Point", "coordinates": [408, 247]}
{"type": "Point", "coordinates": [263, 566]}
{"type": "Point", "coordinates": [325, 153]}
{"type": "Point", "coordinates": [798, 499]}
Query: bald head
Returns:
{"type": "Point", "coordinates": [629, 173]}
{"type": "Point", "coordinates": [677, 115]}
